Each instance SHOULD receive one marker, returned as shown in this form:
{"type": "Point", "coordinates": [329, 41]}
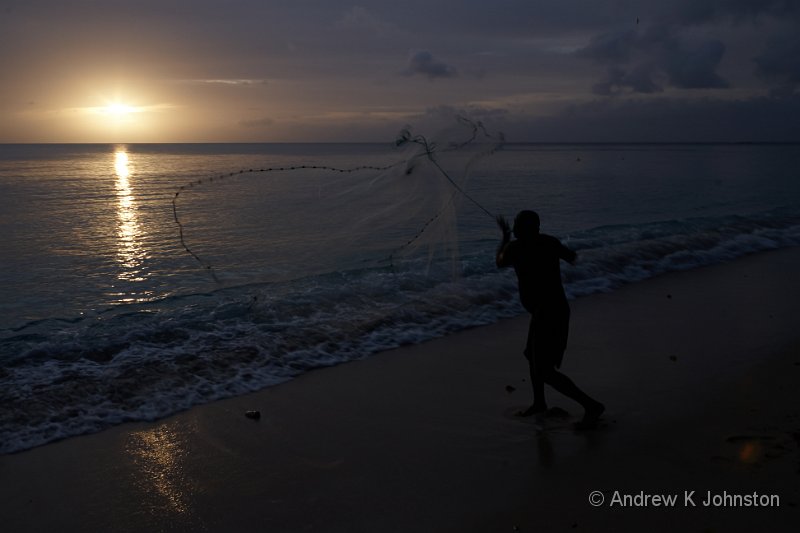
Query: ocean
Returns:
{"type": "Point", "coordinates": [139, 280]}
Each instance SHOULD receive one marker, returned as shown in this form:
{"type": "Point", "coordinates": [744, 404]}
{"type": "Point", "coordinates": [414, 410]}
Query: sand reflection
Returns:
{"type": "Point", "coordinates": [130, 253]}
{"type": "Point", "coordinates": [159, 454]}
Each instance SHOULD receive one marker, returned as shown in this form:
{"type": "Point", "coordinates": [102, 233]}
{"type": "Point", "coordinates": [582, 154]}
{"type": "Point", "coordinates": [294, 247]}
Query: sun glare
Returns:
{"type": "Point", "coordinates": [118, 110]}
{"type": "Point", "coordinates": [126, 117]}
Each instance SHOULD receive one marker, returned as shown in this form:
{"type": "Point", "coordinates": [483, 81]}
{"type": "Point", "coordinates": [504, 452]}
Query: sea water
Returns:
{"type": "Point", "coordinates": [108, 313]}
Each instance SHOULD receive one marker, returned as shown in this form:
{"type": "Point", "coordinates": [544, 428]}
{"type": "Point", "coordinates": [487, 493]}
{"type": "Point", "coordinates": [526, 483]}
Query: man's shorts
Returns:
{"type": "Point", "coordinates": [547, 335]}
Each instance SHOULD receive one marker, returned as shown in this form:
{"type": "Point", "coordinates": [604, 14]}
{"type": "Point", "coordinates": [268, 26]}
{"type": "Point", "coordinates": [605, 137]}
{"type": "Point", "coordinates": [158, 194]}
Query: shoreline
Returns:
{"type": "Point", "coordinates": [697, 370]}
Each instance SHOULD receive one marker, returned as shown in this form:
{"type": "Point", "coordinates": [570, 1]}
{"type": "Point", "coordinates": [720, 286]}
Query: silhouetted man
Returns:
{"type": "Point", "coordinates": [536, 260]}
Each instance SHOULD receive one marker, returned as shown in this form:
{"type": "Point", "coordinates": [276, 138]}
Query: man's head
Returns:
{"type": "Point", "coordinates": [526, 225]}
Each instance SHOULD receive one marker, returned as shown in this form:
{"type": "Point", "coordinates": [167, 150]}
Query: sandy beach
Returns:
{"type": "Point", "coordinates": [698, 371]}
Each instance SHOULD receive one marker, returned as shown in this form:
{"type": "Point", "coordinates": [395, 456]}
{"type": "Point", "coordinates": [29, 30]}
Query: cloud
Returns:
{"type": "Point", "coordinates": [674, 46]}
{"type": "Point", "coordinates": [646, 61]}
{"type": "Point", "coordinates": [447, 114]}
{"type": "Point", "coordinates": [241, 82]}
{"type": "Point", "coordinates": [639, 79]}
{"type": "Point", "coordinates": [612, 47]}
{"type": "Point", "coordinates": [637, 119]}
{"type": "Point", "coordinates": [424, 64]}
{"type": "Point", "coordinates": [256, 122]}
{"type": "Point", "coordinates": [704, 11]}
{"type": "Point", "coordinates": [694, 67]}
{"type": "Point", "coordinates": [780, 62]}
{"type": "Point", "coordinates": [359, 18]}
{"type": "Point", "coordinates": [758, 119]}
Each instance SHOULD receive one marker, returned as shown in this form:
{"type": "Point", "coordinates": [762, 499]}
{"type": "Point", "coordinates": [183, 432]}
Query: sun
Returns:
{"type": "Point", "coordinates": [118, 118]}
{"type": "Point", "coordinates": [118, 109]}
{"type": "Point", "coordinates": [114, 120]}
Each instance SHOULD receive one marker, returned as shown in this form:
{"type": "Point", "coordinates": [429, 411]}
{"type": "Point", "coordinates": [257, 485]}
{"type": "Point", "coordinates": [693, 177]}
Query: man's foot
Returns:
{"type": "Point", "coordinates": [591, 416]}
{"type": "Point", "coordinates": [556, 412]}
{"type": "Point", "coordinates": [534, 409]}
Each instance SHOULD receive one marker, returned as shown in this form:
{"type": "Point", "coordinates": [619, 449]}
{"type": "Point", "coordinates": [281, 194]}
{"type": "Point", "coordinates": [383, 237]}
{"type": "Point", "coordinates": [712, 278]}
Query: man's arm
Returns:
{"type": "Point", "coordinates": [501, 258]}
{"type": "Point", "coordinates": [567, 255]}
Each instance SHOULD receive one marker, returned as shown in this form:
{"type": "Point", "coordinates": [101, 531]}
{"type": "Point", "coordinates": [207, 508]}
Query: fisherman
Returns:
{"type": "Point", "coordinates": [536, 260]}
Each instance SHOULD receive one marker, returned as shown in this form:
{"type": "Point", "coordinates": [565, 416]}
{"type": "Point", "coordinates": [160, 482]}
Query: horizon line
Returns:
{"type": "Point", "coordinates": [58, 143]}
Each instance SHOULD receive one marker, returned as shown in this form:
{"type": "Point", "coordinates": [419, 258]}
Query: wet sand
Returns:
{"type": "Point", "coordinates": [699, 372]}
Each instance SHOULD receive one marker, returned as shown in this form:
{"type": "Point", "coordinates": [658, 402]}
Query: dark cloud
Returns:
{"type": "Point", "coordinates": [705, 11]}
{"type": "Point", "coordinates": [780, 62]}
{"type": "Point", "coordinates": [645, 61]}
{"type": "Point", "coordinates": [663, 53]}
{"type": "Point", "coordinates": [639, 79]}
{"type": "Point", "coordinates": [424, 64]}
{"type": "Point", "coordinates": [612, 47]}
{"type": "Point", "coordinates": [447, 114]}
{"type": "Point", "coordinates": [694, 67]}
{"type": "Point", "coordinates": [644, 119]}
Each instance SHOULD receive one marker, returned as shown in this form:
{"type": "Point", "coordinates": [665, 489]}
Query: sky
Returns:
{"type": "Point", "coordinates": [330, 71]}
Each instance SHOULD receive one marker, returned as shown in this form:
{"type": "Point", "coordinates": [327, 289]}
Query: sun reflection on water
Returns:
{"type": "Point", "coordinates": [130, 253]}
